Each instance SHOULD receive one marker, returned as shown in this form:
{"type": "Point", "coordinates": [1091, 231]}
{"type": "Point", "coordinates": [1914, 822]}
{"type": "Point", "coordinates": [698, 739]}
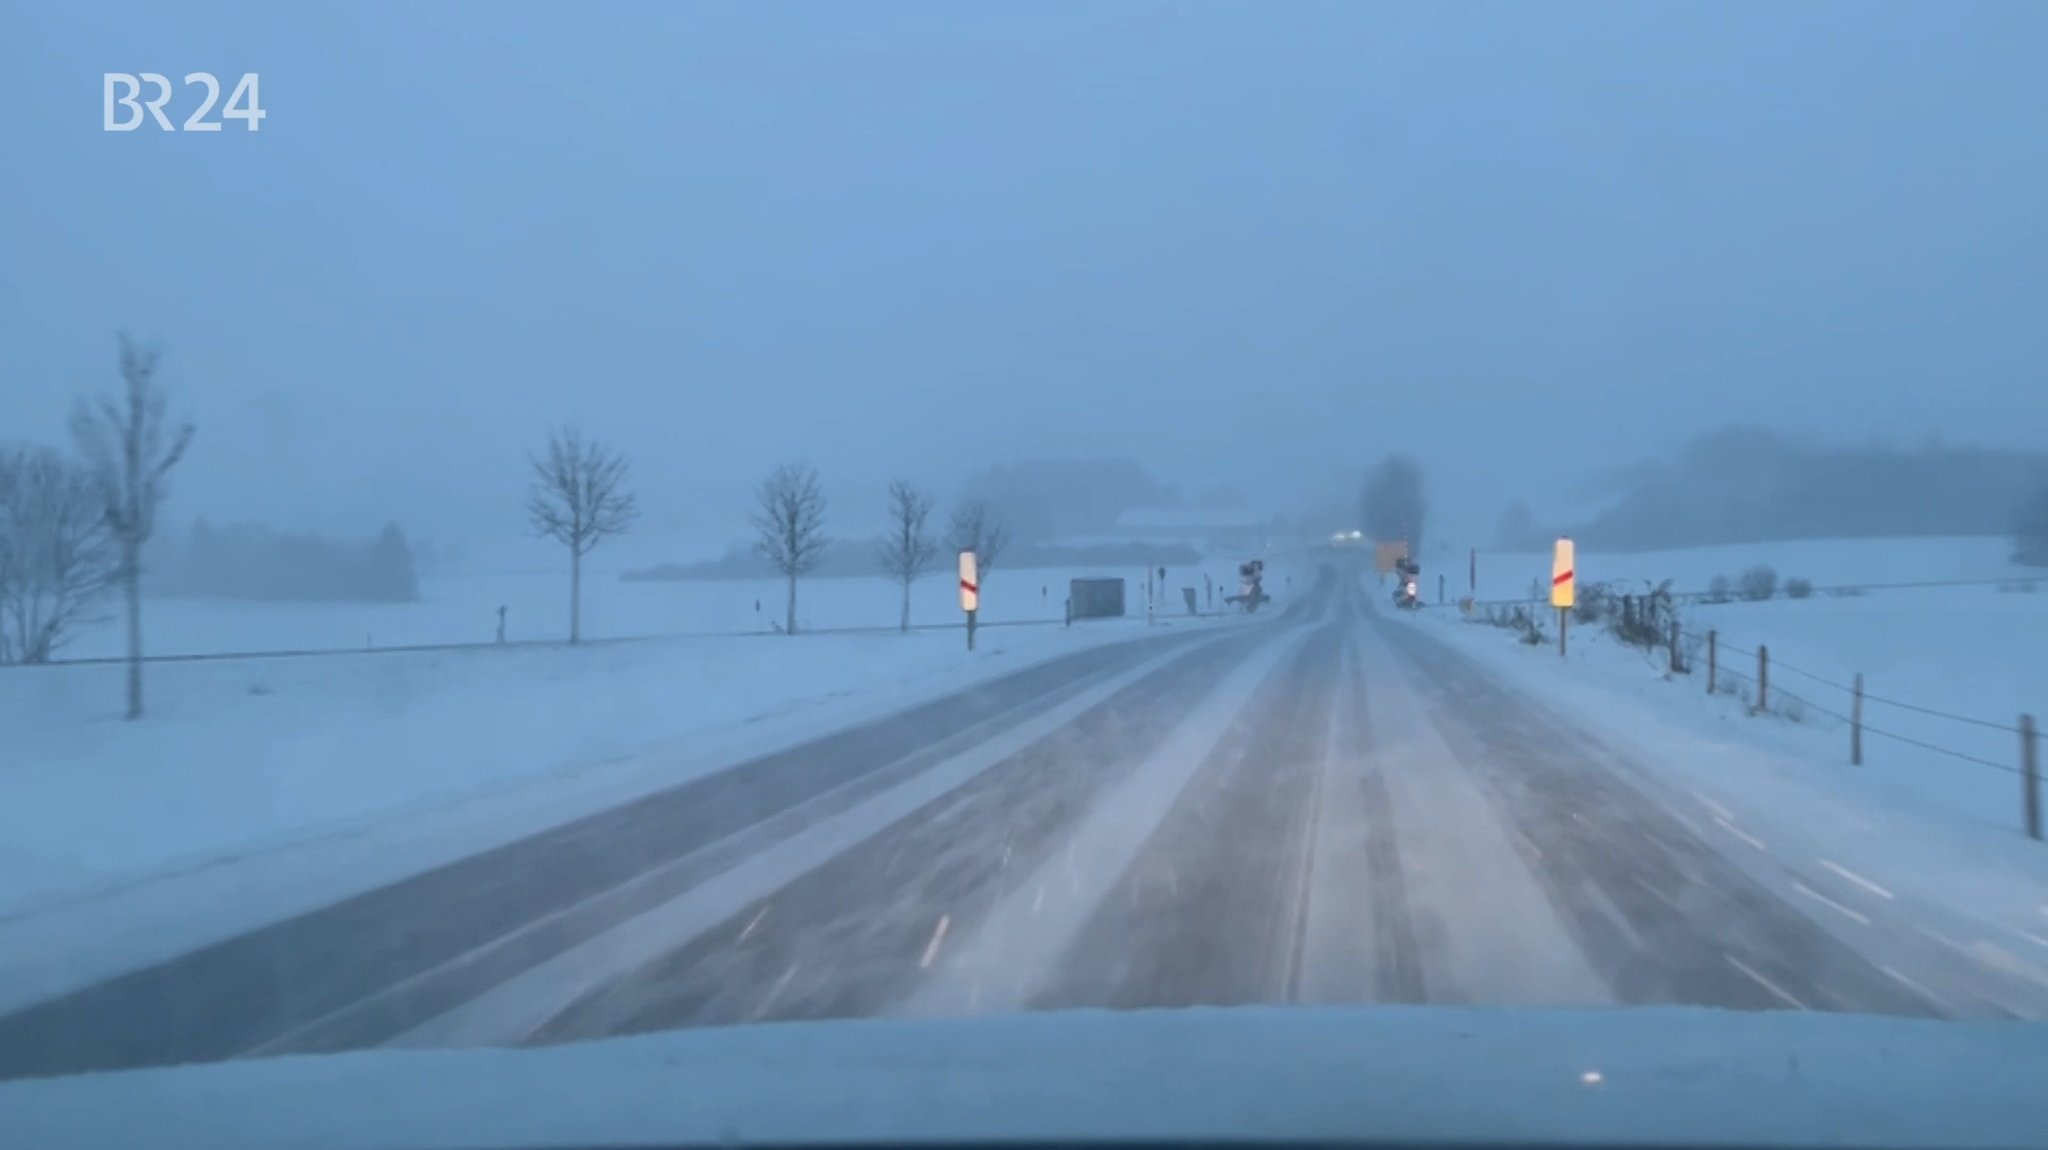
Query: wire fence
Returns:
{"type": "Point", "coordinates": [607, 641]}
{"type": "Point", "coordinates": [1768, 664]}
{"type": "Point", "coordinates": [1656, 627]}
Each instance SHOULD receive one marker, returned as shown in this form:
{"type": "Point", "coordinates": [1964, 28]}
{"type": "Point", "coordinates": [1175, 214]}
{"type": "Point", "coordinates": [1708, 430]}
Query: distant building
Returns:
{"type": "Point", "coordinates": [1208, 530]}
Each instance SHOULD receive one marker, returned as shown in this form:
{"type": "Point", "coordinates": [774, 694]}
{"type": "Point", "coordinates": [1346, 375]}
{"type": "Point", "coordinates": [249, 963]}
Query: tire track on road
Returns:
{"type": "Point", "coordinates": [850, 938]}
{"type": "Point", "coordinates": [244, 992]}
{"type": "Point", "coordinates": [1207, 915]}
{"type": "Point", "coordinates": [1662, 916]}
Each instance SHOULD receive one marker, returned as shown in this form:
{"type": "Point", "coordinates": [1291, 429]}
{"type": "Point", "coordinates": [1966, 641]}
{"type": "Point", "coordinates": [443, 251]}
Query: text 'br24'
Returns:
{"type": "Point", "coordinates": [126, 108]}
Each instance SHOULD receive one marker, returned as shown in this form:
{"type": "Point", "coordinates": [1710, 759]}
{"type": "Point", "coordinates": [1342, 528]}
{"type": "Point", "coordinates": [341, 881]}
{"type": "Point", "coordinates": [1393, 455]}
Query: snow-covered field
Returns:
{"type": "Point", "coordinates": [1825, 563]}
{"type": "Point", "coordinates": [464, 609]}
{"type": "Point", "coordinates": [350, 769]}
{"type": "Point", "coordinates": [1926, 815]}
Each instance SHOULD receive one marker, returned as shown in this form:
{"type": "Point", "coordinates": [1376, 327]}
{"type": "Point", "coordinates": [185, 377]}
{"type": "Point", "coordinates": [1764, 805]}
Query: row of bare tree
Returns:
{"type": "Point", "coordinates": [72, 527]}
{"type": "Point", "coordinates": [579, 498]}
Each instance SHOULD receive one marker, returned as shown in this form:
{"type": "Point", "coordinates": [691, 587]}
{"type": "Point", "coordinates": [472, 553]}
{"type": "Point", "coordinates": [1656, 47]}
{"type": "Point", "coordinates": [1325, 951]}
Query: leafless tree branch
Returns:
{"type": "Point", "coordinates": [789, 516]}
{"type": "Point", "coordinates": [130, 448]}
{"type": "Point", "coordinates": [975, 528]}
{"type": "Point", "coordinates": [578, 498]}
{"type": "Point", "coordinates": [908, 550]}
{"type": "Point", "coordinates": [56, 551]}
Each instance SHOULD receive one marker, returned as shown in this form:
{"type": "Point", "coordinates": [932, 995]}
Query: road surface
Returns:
{"type": "Point", "coordinates": [1326, 805]}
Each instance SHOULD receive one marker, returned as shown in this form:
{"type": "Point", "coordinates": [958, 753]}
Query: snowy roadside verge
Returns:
{"type": "Point", "coordinates": [1787, 788]}
{"type": "Point", "coordinates": [126, 843]}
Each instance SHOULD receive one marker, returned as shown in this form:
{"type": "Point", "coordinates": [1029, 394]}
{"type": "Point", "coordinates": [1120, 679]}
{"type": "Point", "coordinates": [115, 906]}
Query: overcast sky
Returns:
{"type": "Point", "coordinates": [1258, 243]}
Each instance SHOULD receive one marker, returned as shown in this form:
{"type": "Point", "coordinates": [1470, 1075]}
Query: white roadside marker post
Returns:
{"type": "Point", "coordinates": [970, 592]}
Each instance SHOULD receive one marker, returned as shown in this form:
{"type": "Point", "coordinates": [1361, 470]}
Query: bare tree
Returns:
{"type": "Point", "coordinates": [1394, 505]}
{"type": "Point", "coordinates": [909, 549]}
{"type": "Point", "coordinates": [578, 498]}
{"type": "Point", "coordinates": [56, 553]}
{"type": "Point", "coordinates": [790, 516]}
{"type": "Point", "coordinates": [130, 448]}
{"type": "Point", "coordinates": [974, 528]}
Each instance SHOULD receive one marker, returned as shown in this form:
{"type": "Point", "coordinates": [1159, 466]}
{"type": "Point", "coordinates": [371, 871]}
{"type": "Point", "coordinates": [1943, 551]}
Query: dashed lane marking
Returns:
{"type": "Point", "coordinates": [1824, 900]}
{"type": "Point", "coordinates": [1720, 812]}
{"type": "Point", "coordinates": [1738, 832]}
{"type": "Point", "coordinates": [931, 950]}
{"type": "Point", "coordinates": [1777, 991]}
{"type": "Point", "coordinates": [754, 923]}
{"type": "Point", "coordinates": [1858, 879]}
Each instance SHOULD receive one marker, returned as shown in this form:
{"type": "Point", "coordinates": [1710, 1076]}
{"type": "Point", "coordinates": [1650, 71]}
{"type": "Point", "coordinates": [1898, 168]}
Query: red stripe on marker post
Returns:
{"type": "Point", "coordinates": [1561, 578]}
{"type": "Point", "coordinates": [970, 588]}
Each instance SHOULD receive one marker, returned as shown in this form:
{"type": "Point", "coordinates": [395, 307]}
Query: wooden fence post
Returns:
{"type": "Point", "coordinates": [1763, 677]}
{"type": "Point", "coordinates": [1713, 644]}
{"type": "Point", "coordinates": [1856, 725]}
{"type": "Point", "coordinates": [2030, 774]}
{"type": "Point", "coordinates": [1677, 664]}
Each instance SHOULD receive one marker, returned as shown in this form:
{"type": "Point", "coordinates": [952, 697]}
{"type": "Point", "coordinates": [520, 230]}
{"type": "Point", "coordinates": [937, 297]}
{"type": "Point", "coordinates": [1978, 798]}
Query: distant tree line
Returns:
{"type": "Point", "coordinates": [856, 557]}
{"type": "Point", "coordinates": [2030, 528]}
{"type": "Point", "coordinates": [78, 528]}
{"type": "Point", "coordinates": [1752, 485]}
{"type": "Point", "coordinates": [250, 561]}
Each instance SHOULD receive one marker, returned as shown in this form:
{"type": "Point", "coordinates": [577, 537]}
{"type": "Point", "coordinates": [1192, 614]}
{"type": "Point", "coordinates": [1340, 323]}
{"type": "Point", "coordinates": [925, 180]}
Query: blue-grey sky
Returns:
{"type": "Point", "coordinates": [1258, 243]}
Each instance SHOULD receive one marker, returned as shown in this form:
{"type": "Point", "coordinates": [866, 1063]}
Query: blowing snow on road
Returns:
{"type": "Point", "coordinates": [1328, 806]}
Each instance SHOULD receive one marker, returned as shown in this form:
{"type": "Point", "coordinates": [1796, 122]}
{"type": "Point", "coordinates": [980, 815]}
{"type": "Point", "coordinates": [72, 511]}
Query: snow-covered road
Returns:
{"type": "Point", "coordinates": [1336, 807]}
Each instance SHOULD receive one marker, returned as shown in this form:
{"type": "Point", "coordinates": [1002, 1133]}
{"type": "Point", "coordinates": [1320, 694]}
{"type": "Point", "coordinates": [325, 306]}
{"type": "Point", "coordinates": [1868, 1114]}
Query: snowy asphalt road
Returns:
{"type": "Point", "coordinates": [1328, 807]}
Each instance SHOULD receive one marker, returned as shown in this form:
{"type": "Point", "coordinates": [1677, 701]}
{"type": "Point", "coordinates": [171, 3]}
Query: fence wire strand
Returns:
{"type": "Point", "coordinates": [1778, 664]}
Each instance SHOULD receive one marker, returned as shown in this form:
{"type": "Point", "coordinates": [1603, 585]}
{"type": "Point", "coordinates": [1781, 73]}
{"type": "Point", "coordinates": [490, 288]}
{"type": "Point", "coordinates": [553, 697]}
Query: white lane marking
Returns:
{"type": "Point", "coordinates": [1911, 985]}
{"type": "Point", "coordinates": [1738, 832]}
{"type": "Point", "coordinates": [1666, 899]}
{"type": "Point", "coordinates": [2030, 936]}
{"type": "Point", "coordinates": [1815, 895]}
{"type": "Point", "coordinates": [1038, 900]}
{"type": "Point", "coordinates": [1766, 983]}
{"type": "Point", "coordinates": [1858, 879]}
{"type": "Point", "coordinates": [1998, 958]}
{"type": "Point", "coordinates": [931, 950]}
{"type": "Point", "coordinates": [774, 993]}
{"type": "Point", "coordinates": [777, 851]}
{"type": "Point", "coordinates": [1943, 939]}
{"type": "Point", "coordinates": [751, 925]}
{"type": "Point", "coordinates": [1720, 812]}
{"type": "Point", "coordinates": [1006, 855]}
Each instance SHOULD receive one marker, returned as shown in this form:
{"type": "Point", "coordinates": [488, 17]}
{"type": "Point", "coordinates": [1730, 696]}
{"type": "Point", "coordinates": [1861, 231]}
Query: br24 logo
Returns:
{"type": "Point", "coordinates": [124, 111]}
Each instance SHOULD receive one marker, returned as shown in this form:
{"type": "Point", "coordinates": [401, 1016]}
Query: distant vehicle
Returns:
{"type": "Point", "coordinates": [1407, 595]}
{"type": "Point", "coordinates": [1251, 590]}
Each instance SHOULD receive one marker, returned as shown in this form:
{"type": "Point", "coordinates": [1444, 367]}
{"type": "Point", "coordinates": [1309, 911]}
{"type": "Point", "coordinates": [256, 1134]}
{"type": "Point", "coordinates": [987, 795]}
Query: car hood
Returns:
{"type": "Point", "coordinates": [1427, 1074]}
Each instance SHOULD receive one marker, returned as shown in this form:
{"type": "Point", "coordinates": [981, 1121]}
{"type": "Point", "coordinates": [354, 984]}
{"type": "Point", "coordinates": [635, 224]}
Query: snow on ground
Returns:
{"type": "Point", "coordinates": [1918, 817]}
{"type": "Point", "coordinates": [1826, 563]}
{"type": "Point", "coordinates": [238, 753]}
{"type": "Point", "coordinates": [1387, 1073]}
{"type": "Point", "coordinates": [464, 609]}
{"type": "Point", "coordinates": [347, 770]}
